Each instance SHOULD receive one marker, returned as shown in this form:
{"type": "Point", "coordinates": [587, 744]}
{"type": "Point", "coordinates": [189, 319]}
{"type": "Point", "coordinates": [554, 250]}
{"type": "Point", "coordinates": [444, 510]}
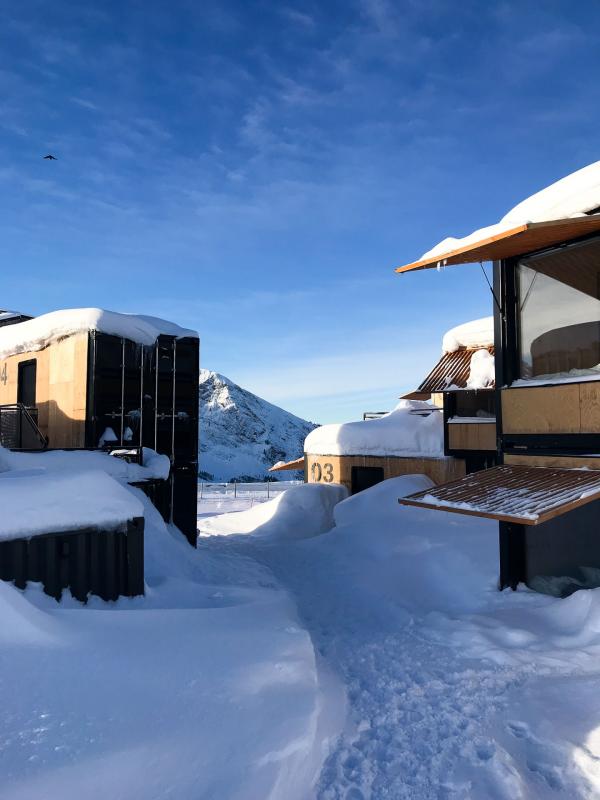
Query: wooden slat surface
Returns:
{"type": "Point", "coordinates": [525, 495]}
{"type": "Point", "coordinates": [514, 242]}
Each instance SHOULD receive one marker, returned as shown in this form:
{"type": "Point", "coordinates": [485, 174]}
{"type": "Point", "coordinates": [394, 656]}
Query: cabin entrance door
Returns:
{"type": "Point", "coordinates": [365, 477]}
{"type": "Point", "coordinates": [26, 383]}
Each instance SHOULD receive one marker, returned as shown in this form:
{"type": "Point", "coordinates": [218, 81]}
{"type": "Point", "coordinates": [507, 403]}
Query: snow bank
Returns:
{"type": "Point", "coordinates": [298, 513]}
{"type": "Point", "coordinates": [478, 333]}
{"type": "Point", "coordinates": [34, 503]}
{"type": "Point", "coordinates": [34, 334]}
{"type": "Point", "coordinates": [206, 687]}
{"type": "Point", "coordinates": [482, 374]}
{"type": "Point", "coordinates": [571, 196]}
{"type": "Point", "coordinates": [402, 432]}
{"type": "Point", "coordinates": [359, 510]}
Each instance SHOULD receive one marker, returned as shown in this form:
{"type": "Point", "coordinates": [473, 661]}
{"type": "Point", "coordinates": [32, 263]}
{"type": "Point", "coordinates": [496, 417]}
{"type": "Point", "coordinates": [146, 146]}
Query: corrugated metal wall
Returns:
{"type": "Point", "coordinates": [90, 561]}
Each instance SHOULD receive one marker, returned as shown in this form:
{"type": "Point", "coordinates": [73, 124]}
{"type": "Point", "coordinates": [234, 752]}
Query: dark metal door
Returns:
{"type": "Point", "coordinates": [365, 477]}
{"type": "Point", "coordinates": [26, 383]}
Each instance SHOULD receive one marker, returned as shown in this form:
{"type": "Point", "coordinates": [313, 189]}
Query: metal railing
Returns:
{"type": "Point", "coordinates": [19, 429]}
{"type": "Point", "coordinates": [236, 490]}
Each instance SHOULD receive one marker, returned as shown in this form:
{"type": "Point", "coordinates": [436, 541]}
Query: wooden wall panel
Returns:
{"type": "Point", "coordinates": [338, 469]}
{"type": "Point", "coordinates": [68, 391]}
{"type": "Point", "coordinates": [541, 409]}
{"type": "Point", "coordinates": [61, 388]}
{"type": "Point", "coordinates": [569, 408]}
{"type": "Point", "coordinates": [472, 436]}
{"type": "Point", "coordinates": [589, 403]}
{"type": "Point", "coordinates": [560, 462]}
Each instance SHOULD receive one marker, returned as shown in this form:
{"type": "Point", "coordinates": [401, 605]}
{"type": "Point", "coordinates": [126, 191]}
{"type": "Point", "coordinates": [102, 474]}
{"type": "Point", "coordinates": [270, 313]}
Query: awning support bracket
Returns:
{"type": "Point", "coordinates": [487, 280]}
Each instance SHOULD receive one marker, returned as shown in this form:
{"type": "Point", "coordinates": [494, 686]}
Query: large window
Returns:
{"type": "Point", "coordinates": [559, 313]}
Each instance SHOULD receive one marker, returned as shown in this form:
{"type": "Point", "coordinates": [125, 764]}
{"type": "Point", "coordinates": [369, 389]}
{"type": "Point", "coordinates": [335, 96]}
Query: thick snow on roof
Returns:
{"type": "Point", "coordinates": [482, 373]}
{"type": "Point", "coordinates": [572, 196]}
{"type": "Point", "coordinates": [35, 503]}
{"type": "Point", "coordinates": [402, 432]}
{"type": "Point", "coordinates": [477, 333]}
{"type": "Point", "coordinates": [34, 334]}
{"type": "Point", "coordinates": [155, 465]}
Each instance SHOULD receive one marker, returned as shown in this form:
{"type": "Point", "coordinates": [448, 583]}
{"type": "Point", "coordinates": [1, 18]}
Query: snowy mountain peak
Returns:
{"type": "Point", "coordinates": [242, 435]}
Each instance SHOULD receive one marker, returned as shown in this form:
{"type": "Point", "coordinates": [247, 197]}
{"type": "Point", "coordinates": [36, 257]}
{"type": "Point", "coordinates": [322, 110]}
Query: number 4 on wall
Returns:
{"type": "Point", "coordinates": [3, 375]}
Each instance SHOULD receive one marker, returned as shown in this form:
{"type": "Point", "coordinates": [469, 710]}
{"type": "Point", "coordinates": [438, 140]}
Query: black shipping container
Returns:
{"type": "Point", "coordinates": [148, 396]}
{"type": "Point", "coordinates": [88, 561]}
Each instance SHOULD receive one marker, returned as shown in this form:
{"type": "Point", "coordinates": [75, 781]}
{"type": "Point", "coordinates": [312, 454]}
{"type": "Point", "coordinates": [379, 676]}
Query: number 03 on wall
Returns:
{"type": "Point", "coordinates": [322, 472]}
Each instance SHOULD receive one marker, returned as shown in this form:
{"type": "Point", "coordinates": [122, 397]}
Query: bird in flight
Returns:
{"type": "Point", "coordinates": [50, 158]}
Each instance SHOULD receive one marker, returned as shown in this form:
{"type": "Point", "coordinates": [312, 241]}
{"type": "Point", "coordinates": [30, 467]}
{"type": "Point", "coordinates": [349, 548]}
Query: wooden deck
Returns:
{"type": "Point", "coordinates": [524, 495]}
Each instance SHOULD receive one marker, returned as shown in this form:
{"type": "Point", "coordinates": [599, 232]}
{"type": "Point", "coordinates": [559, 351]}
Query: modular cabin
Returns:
{"type": "Point", "coordinates": [462, 384]}
{"type": "Point", "coordinates": [360, 454]}
{"type": "Point", "coordinates": [449, 436]}
{"type": "Point", "coordinates": [545, 489]}
{"type": "Point", "coordinates": [93, 379]}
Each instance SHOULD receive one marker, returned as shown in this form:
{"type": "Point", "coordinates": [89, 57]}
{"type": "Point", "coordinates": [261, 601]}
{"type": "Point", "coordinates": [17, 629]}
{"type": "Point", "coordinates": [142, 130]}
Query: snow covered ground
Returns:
{"type": "Point", "coordinates": [454, 690]}
{"type": "Point", "coordinates": [312, 647]}
{"type": "Point", "coordinates": [207, 687]}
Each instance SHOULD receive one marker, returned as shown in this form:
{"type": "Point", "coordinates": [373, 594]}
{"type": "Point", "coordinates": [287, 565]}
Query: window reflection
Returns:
{"type": "Point", "coordinates": [559, 313]}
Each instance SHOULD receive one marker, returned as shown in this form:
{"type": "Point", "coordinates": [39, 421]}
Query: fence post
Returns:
{"type": "Point", "coordinates": [268, 487]}
{"type": "Point", "coordinates": [235, 489]}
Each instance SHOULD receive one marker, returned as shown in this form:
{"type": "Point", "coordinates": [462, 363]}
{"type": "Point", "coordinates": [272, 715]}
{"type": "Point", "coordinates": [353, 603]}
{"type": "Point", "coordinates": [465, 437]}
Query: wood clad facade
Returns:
{"type": "Point", "coordinates": [60, 388]}
{"type": "Point", "coordinates": [565, 408]}
{"type": "Point", "coordinates": [472, 436]}
{"type": "Point", "coordinates": [339, 469]}
{"type": "Point", "coordinates": [563, 462]}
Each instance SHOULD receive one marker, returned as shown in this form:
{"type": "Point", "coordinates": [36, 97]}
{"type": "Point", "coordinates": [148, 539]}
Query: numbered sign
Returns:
{"type": "Point", "coordinates": [322, 473]}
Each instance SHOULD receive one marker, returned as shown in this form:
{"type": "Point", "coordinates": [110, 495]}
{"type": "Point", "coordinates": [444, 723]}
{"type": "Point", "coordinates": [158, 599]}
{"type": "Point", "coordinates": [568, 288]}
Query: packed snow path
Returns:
{"type": "Point", "coordinates": [453, 689]}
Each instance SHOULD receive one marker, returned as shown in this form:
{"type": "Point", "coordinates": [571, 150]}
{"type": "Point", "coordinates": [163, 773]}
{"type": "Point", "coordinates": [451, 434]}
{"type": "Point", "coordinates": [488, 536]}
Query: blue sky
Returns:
{"type": "Point", "coordinates": [255, 170]}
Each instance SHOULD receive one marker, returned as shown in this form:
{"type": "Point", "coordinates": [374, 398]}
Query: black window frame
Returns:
{"type": "Point", "coordinates": [507, 363]}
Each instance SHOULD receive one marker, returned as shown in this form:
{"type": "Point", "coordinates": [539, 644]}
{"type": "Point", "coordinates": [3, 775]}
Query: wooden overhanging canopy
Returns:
{"type": "Point", "coordinates": [298, 463]}
{"type": "Point", "coordinates": [517, 241]}
{"type": "Point", "coordinates": [525, 495]}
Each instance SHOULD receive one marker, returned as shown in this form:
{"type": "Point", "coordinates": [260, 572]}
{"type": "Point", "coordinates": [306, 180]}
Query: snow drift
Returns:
{"type": "Point", "coordinates": [299, 512]}
{"type": "Point", "coordinates": [454, 689]}
{"type": "Point", "coordinates": [206, 687]}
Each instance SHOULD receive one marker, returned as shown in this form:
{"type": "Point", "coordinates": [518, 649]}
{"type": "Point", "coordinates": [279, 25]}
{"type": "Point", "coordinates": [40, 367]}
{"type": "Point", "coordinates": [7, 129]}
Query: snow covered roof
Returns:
{"type": "Point", "coordinates": [34, 502]}
{"type": "Point", "coordinates": [469, 335]}
{"type": "Point", "coordinates": [35, 334]}
{"type": "Point", "coordinates": [557, 213]}
{"type": "Point", "coordinates": [412, 429]}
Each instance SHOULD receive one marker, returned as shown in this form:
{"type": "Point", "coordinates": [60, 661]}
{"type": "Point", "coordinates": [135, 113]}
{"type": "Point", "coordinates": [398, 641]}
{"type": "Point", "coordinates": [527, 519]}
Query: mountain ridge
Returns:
{"type": "Point", "coordinates": [241, 434]}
